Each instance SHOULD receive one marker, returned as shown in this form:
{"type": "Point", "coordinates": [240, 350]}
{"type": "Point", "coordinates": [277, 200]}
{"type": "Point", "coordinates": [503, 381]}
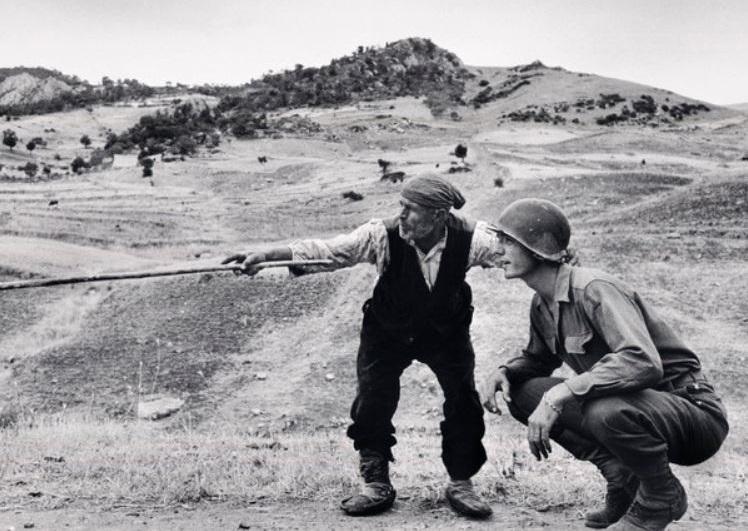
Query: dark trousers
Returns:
{"type": "Point", "coordinates": [644, 429]}
{"type": "Point", "coordinates": [381, 361]}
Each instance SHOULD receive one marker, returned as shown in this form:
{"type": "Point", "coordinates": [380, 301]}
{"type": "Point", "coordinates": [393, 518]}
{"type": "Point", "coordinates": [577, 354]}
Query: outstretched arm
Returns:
{"type": "Point", "coordinates": [249, 258]}
{"type": "Point", "coordinates": [365, 244]}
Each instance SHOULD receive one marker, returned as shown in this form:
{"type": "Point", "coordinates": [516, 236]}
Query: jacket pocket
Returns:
{"type": "Point", "coordinates": [575, 344]}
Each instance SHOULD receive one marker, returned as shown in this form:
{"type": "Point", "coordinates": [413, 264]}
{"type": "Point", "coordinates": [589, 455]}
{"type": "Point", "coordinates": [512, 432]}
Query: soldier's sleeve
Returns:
{"type": "Point", "coordinates": [536, 359]}
{"type": "Point", "coordinates": [633, 362]}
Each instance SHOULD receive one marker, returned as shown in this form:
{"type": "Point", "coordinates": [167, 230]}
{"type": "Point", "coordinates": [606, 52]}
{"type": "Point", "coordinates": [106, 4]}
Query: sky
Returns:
{"type": "Point", "coordinates": [695, 48]}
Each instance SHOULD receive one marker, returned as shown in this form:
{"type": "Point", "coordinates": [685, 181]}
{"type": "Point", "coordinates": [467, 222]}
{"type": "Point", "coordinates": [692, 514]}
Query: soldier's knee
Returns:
{"type": "Point", "coordinates": [600, 415]}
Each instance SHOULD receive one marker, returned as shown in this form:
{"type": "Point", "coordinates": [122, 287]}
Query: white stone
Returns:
{"type": "Point", "coordinates": [158, 407]}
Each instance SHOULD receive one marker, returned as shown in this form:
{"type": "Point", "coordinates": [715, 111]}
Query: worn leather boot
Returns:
{"type": "Point", "coordinates": [465, 501]}
{"type": "Point", "coordinates": [620, 491]}
{"type": "Point", "coordinates": [377, 495]}
{"type": "Point", "coordinates": [650, 514]}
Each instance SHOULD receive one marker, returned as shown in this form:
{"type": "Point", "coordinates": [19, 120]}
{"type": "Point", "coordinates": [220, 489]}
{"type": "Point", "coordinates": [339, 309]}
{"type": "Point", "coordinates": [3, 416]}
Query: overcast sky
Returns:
{"type": "Point", "coordinates": [693, 47]}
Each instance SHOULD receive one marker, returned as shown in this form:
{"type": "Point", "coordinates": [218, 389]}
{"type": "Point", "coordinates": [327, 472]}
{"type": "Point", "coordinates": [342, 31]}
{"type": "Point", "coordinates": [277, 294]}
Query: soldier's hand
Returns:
{"type": "Point", "coordinates": [247, 261]}
{"type": "Point", "coordinates": [496, 381]}
{"type": "Point", "coordinates": [539, 426]}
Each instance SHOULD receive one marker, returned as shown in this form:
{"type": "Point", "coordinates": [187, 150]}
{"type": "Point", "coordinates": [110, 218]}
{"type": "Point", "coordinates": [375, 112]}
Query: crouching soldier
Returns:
{"type": "Point", "coordinates": [421, 309]}
{"type": "Point", "coordinates": [639, 400]}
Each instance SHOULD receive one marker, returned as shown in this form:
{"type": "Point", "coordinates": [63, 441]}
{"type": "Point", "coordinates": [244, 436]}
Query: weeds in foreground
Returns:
{"type": "Point", "coordinates": [59, 459]}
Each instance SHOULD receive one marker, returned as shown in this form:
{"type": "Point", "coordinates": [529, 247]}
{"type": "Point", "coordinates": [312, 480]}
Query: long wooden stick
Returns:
{"type": "Point", "coordinates": [42, 282]}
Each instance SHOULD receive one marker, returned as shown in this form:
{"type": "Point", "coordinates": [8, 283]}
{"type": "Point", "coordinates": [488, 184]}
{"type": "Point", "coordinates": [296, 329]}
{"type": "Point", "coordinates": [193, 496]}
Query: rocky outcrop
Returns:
{"type": "Point", "coordinates": [25, 89]}
{"type": "Point", "coordinates": [408, 67]}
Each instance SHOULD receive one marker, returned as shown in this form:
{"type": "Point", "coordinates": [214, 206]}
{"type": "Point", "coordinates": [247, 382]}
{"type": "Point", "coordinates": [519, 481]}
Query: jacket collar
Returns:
{"type": "Point", "coordinates": [562, 287]}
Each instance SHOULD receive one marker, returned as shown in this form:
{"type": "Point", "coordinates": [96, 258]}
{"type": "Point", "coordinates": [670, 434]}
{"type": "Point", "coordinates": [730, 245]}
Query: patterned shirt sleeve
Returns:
{"type": "Point", "coordinates": [366, 244]}
{"type": "Point", "coordinates": [485, 250]}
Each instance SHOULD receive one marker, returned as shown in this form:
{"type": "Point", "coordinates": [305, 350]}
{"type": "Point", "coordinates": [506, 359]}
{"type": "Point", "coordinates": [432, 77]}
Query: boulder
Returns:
{"type": "Point", "coordinates": [157, 406]}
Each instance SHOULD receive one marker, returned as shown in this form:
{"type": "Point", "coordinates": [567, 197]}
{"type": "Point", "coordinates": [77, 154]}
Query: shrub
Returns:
{"type": "Point", "coordinates": [30, 169]}
{"type": "Point", "coordinates": [383, 165]}
{"type": "Point", "coordinates": [78, 165]}
{"type": "Point", "coordinates": [353, 196]}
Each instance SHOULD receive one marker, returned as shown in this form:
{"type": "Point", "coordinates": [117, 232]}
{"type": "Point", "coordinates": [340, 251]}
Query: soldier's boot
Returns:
{"type": "Point", "coordinates": [465, 501]}
{"type": "Point", "coordinates": [659, 501]}
{"type": "Point", "coordinates": [377, 494]}
{"type": "Point", "coordinates": [619, 495]}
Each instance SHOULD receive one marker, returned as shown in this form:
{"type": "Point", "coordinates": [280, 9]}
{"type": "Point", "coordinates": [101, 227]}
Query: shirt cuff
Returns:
{"type": "Point", "coordinates": [580, 384]}
{"type": "Point", "coordinates": [297, 249]}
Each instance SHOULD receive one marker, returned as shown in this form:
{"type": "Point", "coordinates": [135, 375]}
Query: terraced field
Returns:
{"type": "Point", "coordinates": [273, 357]}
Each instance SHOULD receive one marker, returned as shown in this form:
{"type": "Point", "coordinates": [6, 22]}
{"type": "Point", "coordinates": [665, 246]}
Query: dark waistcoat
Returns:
{"type": "Point", "coordinates": [402, 303]}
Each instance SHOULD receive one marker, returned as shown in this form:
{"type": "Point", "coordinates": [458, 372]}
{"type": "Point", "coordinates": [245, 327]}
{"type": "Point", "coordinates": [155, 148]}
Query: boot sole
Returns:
{"type": "Point", "coordinates": [469, 512]}
{"type": "Point", "coordinates": [597, 524]}
{"type": "Point", "coordinates": [370, 510]}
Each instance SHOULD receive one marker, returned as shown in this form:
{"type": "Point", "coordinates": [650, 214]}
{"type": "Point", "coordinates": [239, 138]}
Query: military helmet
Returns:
{"type": "Point", "coordinates": [539, 225]}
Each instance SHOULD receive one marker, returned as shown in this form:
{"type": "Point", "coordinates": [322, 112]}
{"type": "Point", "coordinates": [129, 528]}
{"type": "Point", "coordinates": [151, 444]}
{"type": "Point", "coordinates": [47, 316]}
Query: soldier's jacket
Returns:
{"type": "Point", "coordinates": [606, 333]}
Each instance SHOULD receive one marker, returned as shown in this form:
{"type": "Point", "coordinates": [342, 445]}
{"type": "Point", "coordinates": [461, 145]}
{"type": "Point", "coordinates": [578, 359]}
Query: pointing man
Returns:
{"type": "Point", "coordinates": [421, 309]}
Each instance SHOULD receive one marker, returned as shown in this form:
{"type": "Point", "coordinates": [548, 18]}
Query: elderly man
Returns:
{"type": "Point", "coordinates": [639, 399]}
{"type": "Point", "coordinates": [420, 310]}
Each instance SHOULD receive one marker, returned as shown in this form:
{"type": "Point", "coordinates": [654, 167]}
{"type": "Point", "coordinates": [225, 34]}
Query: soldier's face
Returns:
{"type": "Point", "coordinates": [416, 221]}
{"type": "Point", "coordinates": [517, 261]}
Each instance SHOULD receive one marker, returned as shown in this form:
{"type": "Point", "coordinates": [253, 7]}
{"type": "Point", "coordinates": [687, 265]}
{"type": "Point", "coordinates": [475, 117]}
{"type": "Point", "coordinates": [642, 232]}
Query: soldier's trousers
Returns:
{"type": "Point", "coordinates": [381, 361]}
{"type": "Point", "coordinates": [644, 429]}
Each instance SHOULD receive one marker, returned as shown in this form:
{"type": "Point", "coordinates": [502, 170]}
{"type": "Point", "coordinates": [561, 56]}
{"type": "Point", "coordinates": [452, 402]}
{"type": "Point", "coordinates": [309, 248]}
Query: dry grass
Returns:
{"type": "Point", "coordinates": [206, 338]}
{"type": "Point", "coordinates": [61, 321]}
{"type": "Point", "coordinates": [68, 459]}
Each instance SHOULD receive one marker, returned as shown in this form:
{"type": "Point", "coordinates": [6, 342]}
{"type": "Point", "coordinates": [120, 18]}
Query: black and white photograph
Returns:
{"type": "Point", "coordinates": [325, 264]}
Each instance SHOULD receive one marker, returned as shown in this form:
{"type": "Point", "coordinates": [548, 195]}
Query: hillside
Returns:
{"type": "Point", "coordinates": [418, 68]}
{"type": "Point", "coordinates": [40, 90]}
{"type": "Point", "coordinates": [266, 366]}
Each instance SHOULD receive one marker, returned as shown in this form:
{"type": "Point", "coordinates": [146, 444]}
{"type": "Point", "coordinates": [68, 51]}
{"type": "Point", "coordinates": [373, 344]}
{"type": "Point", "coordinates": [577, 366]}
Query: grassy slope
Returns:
{"type": "Point", "coordinates": [671, 228]}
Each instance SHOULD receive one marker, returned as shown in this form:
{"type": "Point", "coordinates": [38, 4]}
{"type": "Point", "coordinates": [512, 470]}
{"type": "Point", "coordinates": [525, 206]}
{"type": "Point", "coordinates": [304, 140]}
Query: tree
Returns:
{"type": "Point", "coordinates": [86, 141]}
{"type": "Point", "coordinates": [10, 138]}
{"type": "Point", "coordinates": [31, 146]}
{"type": "Point", "coordinates": [461, 152]}
{"type": "Point", "coordinates": [147, 164]}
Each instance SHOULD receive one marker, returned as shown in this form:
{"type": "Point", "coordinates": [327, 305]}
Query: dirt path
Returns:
{"type": "Point", "coordinates": [405, 515]}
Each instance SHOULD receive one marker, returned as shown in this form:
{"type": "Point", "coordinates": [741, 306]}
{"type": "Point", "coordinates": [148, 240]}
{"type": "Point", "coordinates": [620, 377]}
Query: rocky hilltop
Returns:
{"type": "Point", "coordinates": [40, 90]}
{"type": "Point", "coordinates": [25, 89]}
{"type": "Point", "coordinates": [408, 67]}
